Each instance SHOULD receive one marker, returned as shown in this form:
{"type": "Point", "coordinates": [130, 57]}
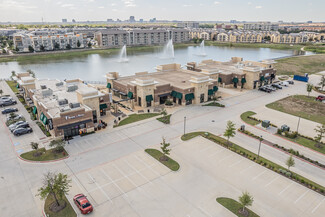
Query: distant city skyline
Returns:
{"type": "Point", "coordinates": [186, 10]}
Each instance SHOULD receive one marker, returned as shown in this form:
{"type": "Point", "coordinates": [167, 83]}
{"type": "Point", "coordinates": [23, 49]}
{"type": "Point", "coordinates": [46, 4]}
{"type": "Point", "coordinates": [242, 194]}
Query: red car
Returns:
{"type": "Point", "coordinates": [83, 203]}
{"type": "Point", "coordinates": [320, 98]}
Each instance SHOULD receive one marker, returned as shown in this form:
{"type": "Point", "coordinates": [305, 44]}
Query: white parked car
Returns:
{"type": "Point", "coordinates": [284, 83]}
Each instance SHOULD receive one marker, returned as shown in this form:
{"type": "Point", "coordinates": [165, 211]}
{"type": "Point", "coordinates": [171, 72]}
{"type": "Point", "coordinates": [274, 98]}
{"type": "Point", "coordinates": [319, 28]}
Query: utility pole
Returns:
{"type": "Point", "coordinates": [259, 147]}
{"type": "Point", "coordinates": [184, 123]}
{"type": "Point", "coordinates": [298, 124]}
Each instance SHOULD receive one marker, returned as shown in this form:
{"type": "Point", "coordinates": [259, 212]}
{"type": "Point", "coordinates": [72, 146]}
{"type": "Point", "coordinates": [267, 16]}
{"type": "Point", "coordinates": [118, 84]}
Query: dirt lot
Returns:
{"type": "Point", "coordinates": [303, 106]}
{"type": "Point", "coordinates": [301, 65]}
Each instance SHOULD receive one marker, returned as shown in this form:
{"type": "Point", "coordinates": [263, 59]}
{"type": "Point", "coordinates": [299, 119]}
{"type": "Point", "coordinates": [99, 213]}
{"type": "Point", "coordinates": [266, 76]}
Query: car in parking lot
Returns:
{"type": "Point", "coordinates": [8, 102]}
{"type": "Point", "coordinates": [13, 126]}
{"type": "Point", "coordinates": [276, 85]}
{"type": "Point", "coordinates": [320, 98]}
{"type": "Point", "coordinates": [9, 110]}
{"type": "Point", "coordinates": [22, 125]}
{"type": "Point", "coordinates": [14, 117]}
{"type": "Point", "coordinates": [22, 131]}
{"type": "Point", "coordinates": [284, 83]}
{"type": "Point", "coordinates": [291, 82]}
{"type": "Point", "coordinates": [83, 203]}
{"type": "Point", "coordinates": [264, 89]}
{"type": "Point", "coordinates": [3, 98]}
{"type": "Point", "coordinates": [270, 87]}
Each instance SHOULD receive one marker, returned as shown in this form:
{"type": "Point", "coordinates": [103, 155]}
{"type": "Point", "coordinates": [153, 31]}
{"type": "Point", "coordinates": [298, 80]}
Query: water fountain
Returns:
{"type": "Point", "coordinates": [202, 49]}
{"type": "Point", "coordinates": [168, 51]}
{"type": "Point", "coordinates": [123, 56]}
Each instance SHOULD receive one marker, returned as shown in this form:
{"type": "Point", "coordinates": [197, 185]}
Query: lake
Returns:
{"type": "Point", "coordinates": [94, 66]}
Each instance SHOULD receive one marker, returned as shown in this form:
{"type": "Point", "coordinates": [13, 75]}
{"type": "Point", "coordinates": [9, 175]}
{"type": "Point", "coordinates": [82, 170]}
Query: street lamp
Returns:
{"type": "Point", "coordinates": [298, 124]}
{"type": "Point", "coordinates": [184, 123]}
{"type": "Point", "coordinates": [259, 147]}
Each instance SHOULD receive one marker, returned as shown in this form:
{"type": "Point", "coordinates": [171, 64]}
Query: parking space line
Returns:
{"type": "Point", "coordinates": [258, 175]}
{"type": "Point", "coordinates": [236, 163]}
{"type": "Point", "coordinates": [272, 181]}
{"type": "Point", "coordinates": [285, 188]}
{"type": "Point", "coordinates": [217, 152]}
{"type": "Point", "coordinates": [147, 180]}
{"type": "Point", "coordinates": [125, 175]}
{"type": "Point", "coordinates": [301, 196]}
{"type": "Point", "coordinates": [211, 146]}
{"type": "Point", "coordinates": [247, 168]}
{"type": "Point", "coordinates": [205, 212]}
{"type": "Point", "coordinates": [146, 165]}
{"type": "Point", "coordinates": [99, 187]}
{"type": "Point", "coordinates": [230, 155]}
{"type": "Point", "coordinates": [317, 206]}
{"type": "Point", "coordinates": [112, 182]}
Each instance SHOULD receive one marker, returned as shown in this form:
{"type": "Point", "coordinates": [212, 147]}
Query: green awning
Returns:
{"type": "Point", "coordinates": [109, 86]}
{"type": "Point", "coordinates": [130, 95]}
{"type": "Point", "coordinates": [215, 88]}
{"type": "Point", "coordinates": [149, 98]}
{"type": "Point", "coordinates": [262, 78]}
{"type": "Point", "coordinates": [102, 106]}
{"type": "Point", "coordinates": [34, 110]}
{"type": "Point", "coordinates": [17, 85]}
{"type": "Point", "coordinates": [210, 92]}
{"type": "Point", "coordinates": [173, 93]}
{"type": "Point", "coordinates": [179, 95]}
{"type": "Point", "coordinates": [189, 96]}
{"type": "Point", "coordinates": [219, 80]}
{"type": "Point", "coordinates": [243, 80]}
{"type": "Point", "coordinates": [45, 120]}
{"type": "Point", "coordinates": [41, 116]}
{"type": "Point", "coordinates": [235, 80]}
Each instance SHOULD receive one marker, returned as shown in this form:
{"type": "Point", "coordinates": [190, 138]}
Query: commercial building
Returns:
{"type": "Point", "coordinates": [22, 41]}
{"type": "Point", "coordinates": [135, 37]}
{"type": "Point", "coordinates": [263, 26]}
{"type": "Point", "coordinates": [66, 108]}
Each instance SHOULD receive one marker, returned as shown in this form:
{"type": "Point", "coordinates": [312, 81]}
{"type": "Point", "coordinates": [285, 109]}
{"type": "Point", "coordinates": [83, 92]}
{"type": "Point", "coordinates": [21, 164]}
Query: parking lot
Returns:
{"type": "Point", "coordinates": [138, 185]}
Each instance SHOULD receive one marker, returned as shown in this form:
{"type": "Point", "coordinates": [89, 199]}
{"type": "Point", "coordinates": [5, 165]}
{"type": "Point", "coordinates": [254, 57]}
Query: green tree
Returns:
{"type": "Point", "coordinates": [17, 49]}
{"type": "Point", "coordinates": [322, 82]}
{"type": "Point", "coordinates": [290, 162]}
{"type": "Point", "coordinates": [13, 74]}
{"type": "Point", "coordinates": [246, 200]}
{"type": "Point", "coordinates": [230, 130]}
{"type": "Point", "coordinates": [78, 43]}
{"type": "Point", "coordinates": [165, 150]}
{"type": "Point", "coordinates": [34, 145]}
{"type": "Point", "coordinates": [31, 73]}
{"type": "Point", "coordinates": [58, 145]}
{"type": "Point", "coordinates": [89, 44]}
{"type": "Point", "coordinates": [320, 130]}
{"type": "Point", "coordinates": [4, 51]}
{"type": "Point", "coordinates": [31, 49]}
{"type": "Point", "coordinates": [1, 92]}
{"type": "Point", "coordinates": [56, 46]}
{"type": "Point", "coordinates": [309, 88]}
{"type": "Point", "coordinates": [164, 114]}
{"type": "Point", "coordinates": [56, 185]}
{"type": "Point", "coordinates": [68, 46]}
{"type": "Point", "coordinates": [42, 48]}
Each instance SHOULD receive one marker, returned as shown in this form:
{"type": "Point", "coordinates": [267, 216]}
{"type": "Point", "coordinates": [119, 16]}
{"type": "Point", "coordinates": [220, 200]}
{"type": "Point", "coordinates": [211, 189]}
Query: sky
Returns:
{"type": "Point", "coordinates": [187, 10]}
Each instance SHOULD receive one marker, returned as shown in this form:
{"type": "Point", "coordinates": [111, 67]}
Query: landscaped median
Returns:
{"type": "Point", "coordinates": [234, 207]}
{"type": "Point", "coordinates": [214, 104]}
{"type": "Point", "coordinates": [262, 161]}
{"type": "Point", "coordinates": [44, 155]}
{"type": "Point", "coordinates": [136, 117]}
{"type": "Point", "coordinates": [248, 119]}
{"type": "Point", "coordinates": [165, 120]}
{"type": "Point", "coordinates": [68, 211]}
{"type": "Point", "coordinates": [158, 155]}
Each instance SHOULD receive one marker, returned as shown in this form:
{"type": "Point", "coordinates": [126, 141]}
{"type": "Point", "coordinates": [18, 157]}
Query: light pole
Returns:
{"type": "Point", "coordinates": [184, 123]}
{"type": "Point", "coordinates": [298, 124]}
{"type": "Point", "coordinates": [259, 147]}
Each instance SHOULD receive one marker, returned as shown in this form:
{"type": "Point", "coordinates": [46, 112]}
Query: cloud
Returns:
{"type": "Point", "coordinates": [249, 3]}
{"type": "Point", "coordinates": [113, 4]}
{"type": "Point", "coordinates": [101, 7]}
{"type": "Point", "coordinates": [216, 3]}
{"type": "Point", "coordinates": [129, 3]}
{"type": "Point", "coordinates": [11, 4]}
{"type": "Point", "coordinates": [187, 6]}
{"type": "Point", "coordinates": [67, 5]}
{"type": "Point", "coordinates": [258, 7]}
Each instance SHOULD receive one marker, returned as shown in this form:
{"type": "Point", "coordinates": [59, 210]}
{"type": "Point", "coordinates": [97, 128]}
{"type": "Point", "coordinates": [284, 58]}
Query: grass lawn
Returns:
{"type": "Point", "coordinates": [254, 45]}
{"type": "Point", "coordinates": [301, 106]}
{"type": "Point", "coordinates": [165, 120]}
{"type": "Point", "coordinates": [250, 155]}
{"type": "Point", "coordinates": [247, 120]}
{"type": "Point", "coordinates": [137, 117]}
{"type": "Point", "coordinates": [170, 163]}
{"type": "Point", "coordinates": [66, 212]}
{"type": "Point", "coordinates": [46, 156]}
{"type": "Point", "coordinates": [13, 86]}
{"type": "Point", "coordinates": [307, 143]}
{"type": "Point", "coordinates": [300, 65]}
{"type": "Point", "coordinates": [214, 104]}
{"type": "Point", "coordinates": [234, 206]}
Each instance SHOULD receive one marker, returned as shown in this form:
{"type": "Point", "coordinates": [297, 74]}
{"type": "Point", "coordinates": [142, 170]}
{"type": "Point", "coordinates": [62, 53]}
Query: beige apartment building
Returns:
{"type": "Point", "coordinates": [138, 37]}
{"type": "Point", "coordinates": [66, 108]}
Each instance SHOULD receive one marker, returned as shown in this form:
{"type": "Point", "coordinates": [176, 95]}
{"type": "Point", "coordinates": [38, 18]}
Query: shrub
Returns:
{"type": "Point", "coordinates": [168, 103]}
{"type": "Point", "coordinates": [279, 131]}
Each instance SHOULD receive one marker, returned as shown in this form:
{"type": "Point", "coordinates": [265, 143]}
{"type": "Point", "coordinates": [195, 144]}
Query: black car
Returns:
{"type": "Point", "coordinates": [264, 89]}
{"type": "Point", "coordinates": [9, 110]}
{"type": "Point", "coordinates": [22, 125]}
{"type": "Point", "coordinates": [22, 131]}
{"type": "Point", "coordinates": [291, 82]}
{"type": "Point", "coordinates": [8, 102]}
{"type": "Point", "coordinates": [277, 86]}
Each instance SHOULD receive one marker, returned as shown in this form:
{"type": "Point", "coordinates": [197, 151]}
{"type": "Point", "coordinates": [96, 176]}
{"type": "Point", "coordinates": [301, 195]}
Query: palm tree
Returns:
{"type": "Point", "coordinates": [246, 200]}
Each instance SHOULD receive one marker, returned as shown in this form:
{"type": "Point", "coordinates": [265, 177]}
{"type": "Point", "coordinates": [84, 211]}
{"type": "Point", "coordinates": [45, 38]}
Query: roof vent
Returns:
{"type": "Point", "coordinates": [63, 101]}
{"type": "Point", "coordinates": [74, 105]}
{"type": "Point", "coordinates": [43, 87]}
{"type": "Point", "coordinates": [72, 88]}
{"type": "Point", "coordinates": [59, 84]}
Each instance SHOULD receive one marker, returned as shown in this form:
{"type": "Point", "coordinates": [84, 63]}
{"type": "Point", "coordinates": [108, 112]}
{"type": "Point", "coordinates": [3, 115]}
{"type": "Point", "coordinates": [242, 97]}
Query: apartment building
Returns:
{"type": "Point", "coordinates": [66, 108]}
{"type": "Point", "coordinates": [263, 26]}
{"type": "Point", "coordinates": [188, 25]}
{"type": "Point", "coordinates": [22, 41]}
{"type": "Point", "coordinates": [136, 37]}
